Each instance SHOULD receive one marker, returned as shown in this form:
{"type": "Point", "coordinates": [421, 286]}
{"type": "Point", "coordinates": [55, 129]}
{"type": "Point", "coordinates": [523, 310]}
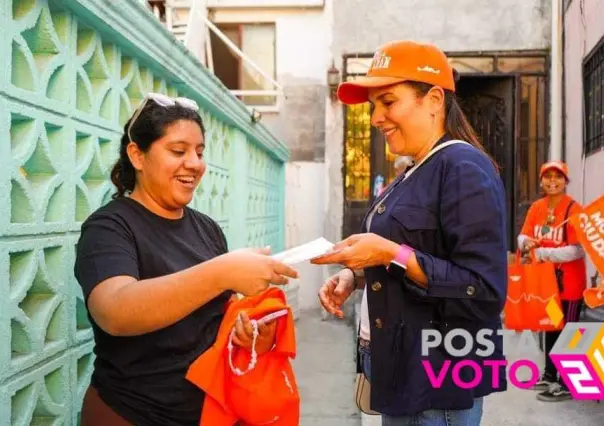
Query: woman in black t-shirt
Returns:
{"type": "Point", "coordinates": [156, 275]}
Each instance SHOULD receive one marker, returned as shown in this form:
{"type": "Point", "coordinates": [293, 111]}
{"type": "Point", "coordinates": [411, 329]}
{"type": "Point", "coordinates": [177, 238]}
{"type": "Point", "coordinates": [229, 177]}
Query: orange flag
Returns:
{"type": "Point", "coordinates": [589, 225]}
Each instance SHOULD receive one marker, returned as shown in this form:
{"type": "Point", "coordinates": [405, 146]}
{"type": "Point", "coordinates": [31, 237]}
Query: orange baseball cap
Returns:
{"type": "Point", "coordinates": [555, 165]}
{"type": "Point", "coordinates": [396, 62]}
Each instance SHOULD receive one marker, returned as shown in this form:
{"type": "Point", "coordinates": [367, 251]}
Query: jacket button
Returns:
{"type": "Point", "coordinates": [378, 323]}
{"type": "Point", "coordinates": [381, 209]}
{"type": "Point", "coordinates": [470, 291]}
{"type": "Point", "coordinates": [376, 286]}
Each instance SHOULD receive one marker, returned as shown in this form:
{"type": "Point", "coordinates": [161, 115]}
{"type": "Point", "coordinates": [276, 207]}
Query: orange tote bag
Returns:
{"type": "Point", "coordinates": [533, 298]}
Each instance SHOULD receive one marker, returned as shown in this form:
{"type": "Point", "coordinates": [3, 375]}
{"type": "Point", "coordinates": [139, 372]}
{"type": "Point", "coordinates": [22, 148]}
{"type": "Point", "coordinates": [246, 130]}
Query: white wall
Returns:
{"type": "Point", "coordinates": [264, 3]}
{"type": "Point", "coordinates": [301, 48]}
{"type": "Point", "coordinates": [361, 25]}
{"type": "Point", "coordinates": [584, 27]}
{"type": "Point", "coordinates": [302, 60]}
{"type": "Point", "coordinates": [304, 222]}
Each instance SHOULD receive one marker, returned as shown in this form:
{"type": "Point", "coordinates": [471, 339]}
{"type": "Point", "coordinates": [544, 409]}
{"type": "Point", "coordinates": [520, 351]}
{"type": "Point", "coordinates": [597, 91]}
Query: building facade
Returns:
{"type": "Point", "coordinates": [307, 47]}
{"type": "Point", "coordinates": [299, 51]}
{"type": "Point", "coordinates": [272, 54]}
{"type": "Point", "coordinates": [584, 98]}
{"type": "Point", "coordinates": [502, 54]}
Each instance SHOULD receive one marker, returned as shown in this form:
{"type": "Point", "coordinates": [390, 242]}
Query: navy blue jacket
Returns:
{"type": "Point", "coordinates": [452, 212]}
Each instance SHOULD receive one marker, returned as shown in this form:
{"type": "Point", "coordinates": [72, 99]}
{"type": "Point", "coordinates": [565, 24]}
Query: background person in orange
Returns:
{"type": "Point", "coordinates": [554, 240]}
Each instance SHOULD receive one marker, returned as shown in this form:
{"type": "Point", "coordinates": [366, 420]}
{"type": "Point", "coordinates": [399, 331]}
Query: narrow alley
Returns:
{"type": "Point", "coordinates": [325, 371]}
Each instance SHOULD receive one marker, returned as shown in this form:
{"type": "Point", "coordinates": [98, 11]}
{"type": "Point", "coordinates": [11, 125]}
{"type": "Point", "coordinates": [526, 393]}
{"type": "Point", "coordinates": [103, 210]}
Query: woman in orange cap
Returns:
{"type": "Point", "coordinates": [432, 247]}
{"type": "Point", "coordinates": [546, 232]}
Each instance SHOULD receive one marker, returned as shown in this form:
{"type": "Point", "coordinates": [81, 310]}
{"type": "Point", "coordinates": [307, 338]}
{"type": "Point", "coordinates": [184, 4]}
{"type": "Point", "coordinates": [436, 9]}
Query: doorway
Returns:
{"type": "Point", "coordinates": [488, 103]}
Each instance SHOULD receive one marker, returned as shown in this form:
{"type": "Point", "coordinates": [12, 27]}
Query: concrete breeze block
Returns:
{"type": "Point", "coordinates": [76, 71]}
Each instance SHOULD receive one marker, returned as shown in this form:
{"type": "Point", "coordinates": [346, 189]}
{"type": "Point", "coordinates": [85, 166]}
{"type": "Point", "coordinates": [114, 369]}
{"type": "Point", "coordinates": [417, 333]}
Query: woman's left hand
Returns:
{"type": "Point", "coordinates": [244, 334]}
{"type": "Point", "coordinates": [360, 251]}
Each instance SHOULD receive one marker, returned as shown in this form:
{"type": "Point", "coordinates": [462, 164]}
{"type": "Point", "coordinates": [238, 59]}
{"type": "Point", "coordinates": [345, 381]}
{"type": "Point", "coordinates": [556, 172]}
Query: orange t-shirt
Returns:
{"type": "Point", "coordinates": [574, 278]}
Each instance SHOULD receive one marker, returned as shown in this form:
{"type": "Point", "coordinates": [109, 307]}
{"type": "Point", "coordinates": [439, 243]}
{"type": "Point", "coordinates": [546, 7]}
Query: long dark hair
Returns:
{"type": "Point", "coordinates": [456, 122]}
{"type": "Point", "coordinates": [150, 126]}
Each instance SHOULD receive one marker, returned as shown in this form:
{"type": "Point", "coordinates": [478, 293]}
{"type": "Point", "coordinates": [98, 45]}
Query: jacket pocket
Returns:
{"type": "Point", "coordinates": [415, 226]}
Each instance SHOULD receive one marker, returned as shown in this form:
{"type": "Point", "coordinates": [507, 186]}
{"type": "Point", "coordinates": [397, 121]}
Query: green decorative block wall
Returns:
{"type": "Point", "coordinates": [74, 71]}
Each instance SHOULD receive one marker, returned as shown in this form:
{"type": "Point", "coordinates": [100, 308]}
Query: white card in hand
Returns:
{"type": "Point", "coordinates": [304, 252]}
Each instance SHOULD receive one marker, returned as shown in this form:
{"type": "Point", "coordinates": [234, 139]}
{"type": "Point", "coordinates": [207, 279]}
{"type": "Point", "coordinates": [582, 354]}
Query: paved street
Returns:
{"type": "Point", "coordinates": [325, 370]}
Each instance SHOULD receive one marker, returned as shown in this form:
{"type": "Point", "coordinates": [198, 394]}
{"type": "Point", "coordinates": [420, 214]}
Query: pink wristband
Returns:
{"type": "Point", "coordinates": [402, 257]}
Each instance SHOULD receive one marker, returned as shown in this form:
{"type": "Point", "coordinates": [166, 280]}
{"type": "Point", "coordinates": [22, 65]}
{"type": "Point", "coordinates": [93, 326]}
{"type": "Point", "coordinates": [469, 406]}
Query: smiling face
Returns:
{"type": "Point", "coordinates": [553, 182]}
{"type": "Point", "coordinates": [410, 121]}
{"type": "Point", "coordinates": [169, 172]}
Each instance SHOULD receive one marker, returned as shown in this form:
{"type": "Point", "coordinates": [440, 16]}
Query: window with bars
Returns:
{"type": "Point", "coordinates": [593, 83]}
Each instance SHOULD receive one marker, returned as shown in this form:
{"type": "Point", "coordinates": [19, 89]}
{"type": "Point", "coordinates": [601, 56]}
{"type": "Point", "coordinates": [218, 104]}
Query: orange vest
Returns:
{"type": "Point", "coordinates": [575, 273]}
{"type": "Point", "coordinates": [266, 395]}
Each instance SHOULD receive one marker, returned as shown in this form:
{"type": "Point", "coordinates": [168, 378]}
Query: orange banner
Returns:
{"type": "Point", "coordinates": [589, 225]}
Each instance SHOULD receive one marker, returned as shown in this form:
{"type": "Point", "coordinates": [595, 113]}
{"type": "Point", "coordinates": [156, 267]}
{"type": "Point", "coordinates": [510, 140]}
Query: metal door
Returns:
{"type": "Point", "coordinates": [488, 103]}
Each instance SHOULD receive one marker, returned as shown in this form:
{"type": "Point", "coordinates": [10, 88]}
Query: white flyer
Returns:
{"type": "Point", "coordinates": [304, 252]}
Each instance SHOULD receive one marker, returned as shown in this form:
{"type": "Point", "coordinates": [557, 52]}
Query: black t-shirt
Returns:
{"type": "Point", "coordinates": [143, 377]}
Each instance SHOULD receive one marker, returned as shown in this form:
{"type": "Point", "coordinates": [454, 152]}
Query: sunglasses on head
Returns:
{"type": "Point", "coordinates": [164, 101]}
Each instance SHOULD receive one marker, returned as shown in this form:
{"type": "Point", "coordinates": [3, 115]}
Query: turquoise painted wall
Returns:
{"type": "Point", "coordinates": [74, 72]}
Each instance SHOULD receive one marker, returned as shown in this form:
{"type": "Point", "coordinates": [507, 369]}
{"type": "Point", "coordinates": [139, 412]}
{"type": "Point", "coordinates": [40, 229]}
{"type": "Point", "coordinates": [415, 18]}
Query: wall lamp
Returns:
{"type": "Point", "coordinates": [255, 115]}
{"type": "Point", "coordinates": [333, 81]}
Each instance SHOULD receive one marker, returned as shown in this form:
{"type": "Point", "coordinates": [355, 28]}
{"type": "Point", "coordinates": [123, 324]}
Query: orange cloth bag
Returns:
{"type": "Point", "coordinates": [533, 297]}
{"type": "Point", "coordinates": [264, 392]}
{"type": "Point", "coordinates": [594, 297]}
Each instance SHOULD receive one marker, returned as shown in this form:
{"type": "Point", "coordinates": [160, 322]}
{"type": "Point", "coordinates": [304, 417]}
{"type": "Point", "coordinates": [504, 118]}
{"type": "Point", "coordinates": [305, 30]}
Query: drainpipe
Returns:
{"type": "Point", "coordinates": [555, 151]}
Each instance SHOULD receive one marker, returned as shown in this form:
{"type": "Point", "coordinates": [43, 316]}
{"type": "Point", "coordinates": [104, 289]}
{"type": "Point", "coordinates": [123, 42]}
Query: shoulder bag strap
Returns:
{"type": "Point", "coordinates": [431, 153]}
{"type": "Point", "coordinates": [398, 180]}
{"type": "Point", "coordinates": [564, 239]}
{"type": "Point", "coordinates": [566, 221]}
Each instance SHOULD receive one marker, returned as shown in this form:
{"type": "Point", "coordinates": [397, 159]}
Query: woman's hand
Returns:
{"type": "Point", "coordinates": [244, 334]}
{"type": "Point", "coordinates": [530, 244]}
{"type": "Point", "coordinates": [360, 251]}
{"type": "Point", "coordinates": [335, 291]}
{"type": "Point", "coordinates": [251, 271]}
